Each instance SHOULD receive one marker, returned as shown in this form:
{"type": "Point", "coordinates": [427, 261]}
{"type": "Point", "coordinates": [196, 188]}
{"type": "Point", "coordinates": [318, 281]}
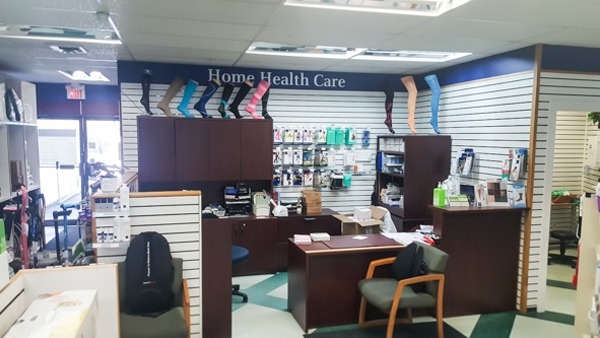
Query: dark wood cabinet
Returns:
{"type": "Point", "coordinates": [256, 156]}
{"type": "Point", "coordinates": [156, 149]}
{"type": "Point", "coordinates": [258, 236]}
{"type": "Point", "coordinates": [416, 163]}
{"type": "Point", "coordinates": [303, 224]}
{"type": "Point", "coordinates": [191, 149]}
{"type": "Point", "coordinates": [201, 150]}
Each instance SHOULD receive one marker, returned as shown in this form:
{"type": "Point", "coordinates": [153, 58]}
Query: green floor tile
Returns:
{"type": "Point", "coordinates": [494, 325]}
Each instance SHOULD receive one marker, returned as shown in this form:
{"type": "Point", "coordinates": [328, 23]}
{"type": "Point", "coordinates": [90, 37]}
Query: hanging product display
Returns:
{"type": "Point", "coordinates": [308, 156]}
{"type": "Point", "coordinates": [297, 156]}
{"type": "Point", "coordinates": [265, 100]}
{"type": "Point", "coordinates": [308, 177]}
{"type": "Point", "coordinates": [241, 94]}
{"type": "Point", "coordinates": [261, 89]}
{"type": "Point", "coordinates": [277, 135]}
{"type": "Point", "coordinates": [277, 156]}
{"type": "Point", "coordinates": [434, 85]}
{"type": "Point", "coordinates": [189, 90]}
{"type": "Point", "coordinates": [173, 89]}
{"type": "Point", "coordinates": [298, 135]}
{"type": "Point", "coordinates": [330, 138]}
{"type": "Point", "coordinates": [211, 89]}
{"type": "Point", "coordinates": [145, 100]}
{"type": "Point", "coordinates": [227, 90]}
{"type": "Point", "coordinates": [320, 136]}
{"type": "Point", "coordinates": [277, 178]}
{"type": "Point", "coordinates": [366, 139]}
{"type": "Point", "coordinates": [409, 83]}
{"type": "Point", "coordinates": [288, 136]}
{"type": "Point", "coordinates": [307, 135]}
{"type": "Point", "coordinates": [389, 103]}
{"type": "Point", "coordinates": [350, 137]}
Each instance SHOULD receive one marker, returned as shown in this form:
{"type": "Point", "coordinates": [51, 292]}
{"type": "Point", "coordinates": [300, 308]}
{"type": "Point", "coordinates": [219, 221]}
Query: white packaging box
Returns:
{"type": "Point", "coordinates": [362, 213]}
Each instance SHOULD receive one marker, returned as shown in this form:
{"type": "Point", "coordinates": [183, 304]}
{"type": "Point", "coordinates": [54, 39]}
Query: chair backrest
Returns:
{"type": "Point", "coordinates": [176, 286]}
{"type": "Point", "coordinates": [436, 261]}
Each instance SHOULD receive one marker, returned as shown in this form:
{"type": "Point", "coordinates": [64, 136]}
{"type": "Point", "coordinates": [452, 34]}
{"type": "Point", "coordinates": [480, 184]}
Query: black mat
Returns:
{"type": "Point", "coordinates": [417, 330]}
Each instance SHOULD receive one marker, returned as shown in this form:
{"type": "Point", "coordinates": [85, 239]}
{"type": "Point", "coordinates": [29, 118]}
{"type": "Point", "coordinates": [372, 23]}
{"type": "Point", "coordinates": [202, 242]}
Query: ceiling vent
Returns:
{"type": "Point", "coordinates": [69, 50]}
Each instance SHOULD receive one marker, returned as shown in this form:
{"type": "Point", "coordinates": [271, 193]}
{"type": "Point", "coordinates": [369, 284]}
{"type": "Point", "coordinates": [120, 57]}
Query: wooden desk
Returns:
{"type": "Point", "coordinates": [323, 277]}
{"type": "Point", "coordinates": [482, 270]}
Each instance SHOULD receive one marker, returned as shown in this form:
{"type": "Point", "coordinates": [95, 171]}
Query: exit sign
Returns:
{"type": "Point", "coordinates": [75, 92]}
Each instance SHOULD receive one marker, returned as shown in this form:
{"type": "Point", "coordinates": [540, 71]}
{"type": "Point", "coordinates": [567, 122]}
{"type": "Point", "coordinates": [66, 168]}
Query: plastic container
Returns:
{"type": "Point", "coordinates": [339, 136]}
{"type": "Point", "coordinates": [439, 196]}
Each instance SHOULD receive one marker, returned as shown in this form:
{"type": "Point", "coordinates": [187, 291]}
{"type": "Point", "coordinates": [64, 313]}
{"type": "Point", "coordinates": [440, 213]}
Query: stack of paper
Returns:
{"type": "Point", "coordinates": [320, 236]}
{"type": "Point", "coordinates": [302, 239]}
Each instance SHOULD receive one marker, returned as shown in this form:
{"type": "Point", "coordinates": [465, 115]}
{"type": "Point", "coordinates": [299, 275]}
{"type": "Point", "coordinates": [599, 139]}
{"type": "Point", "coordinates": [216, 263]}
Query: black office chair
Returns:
{"type": "Point", "coordinates": [238, 256]}
{"type": "Point", "coordinates": [566, 238]}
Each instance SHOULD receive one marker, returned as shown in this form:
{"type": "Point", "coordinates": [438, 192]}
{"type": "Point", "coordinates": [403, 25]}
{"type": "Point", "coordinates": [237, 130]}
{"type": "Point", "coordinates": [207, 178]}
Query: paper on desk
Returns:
{"type": "Point", "coordinates": [404, 238]}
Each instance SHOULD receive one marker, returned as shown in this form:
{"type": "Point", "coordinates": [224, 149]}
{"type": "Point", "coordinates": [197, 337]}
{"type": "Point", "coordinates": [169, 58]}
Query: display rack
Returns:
{"type": "Point", "coordinates": [414, 164]}
{"type": "Point", "coordinates": [19, 144]}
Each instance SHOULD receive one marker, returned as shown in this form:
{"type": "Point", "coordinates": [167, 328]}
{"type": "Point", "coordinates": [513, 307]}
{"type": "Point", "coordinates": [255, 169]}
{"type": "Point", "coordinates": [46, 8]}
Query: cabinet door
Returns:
{"type": "Point", "coordinates": [258, 236]}
{"type": "Point", "coordinates": [191, 149]}
{"type": "Point", "coordinates": [156, 149]}
{"type": "Point", "coordinates": [256, 157]}
{"type": "Point", "coordinates": [224, 150]}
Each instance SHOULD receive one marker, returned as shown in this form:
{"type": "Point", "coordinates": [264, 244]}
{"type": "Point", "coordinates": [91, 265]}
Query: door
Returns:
{"type": "Point", "coordinates": [59, 142]}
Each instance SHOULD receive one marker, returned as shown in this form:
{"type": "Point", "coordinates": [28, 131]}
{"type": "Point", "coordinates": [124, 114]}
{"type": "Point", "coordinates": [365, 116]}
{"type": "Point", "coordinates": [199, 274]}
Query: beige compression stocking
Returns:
{"type": "Point", "coordinates": [169, 95]}
{"type": "Point", "coordinates": [409, 83]}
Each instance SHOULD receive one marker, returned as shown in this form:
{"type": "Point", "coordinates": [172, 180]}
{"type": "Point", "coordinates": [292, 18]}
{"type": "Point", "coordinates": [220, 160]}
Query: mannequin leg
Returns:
{"type": "Point", "coordinates": [145, 100]}
{"type": "Point", "coordinates": [169, 95]}
{"type": "Point", "coordinates": [189, 90]}
{"type": "Point", "coordinates": [241, 94]}
{"type": "Point", "coordinates": [433, 83]}
{"type": "Point", "coordinates": [389, 103]}
{"type": "Point", "coordinates": [211, 88]}
{"type": "Point", "coordinates": [227, 90]}
{"type": "Point", "coordinates": [409, 83]}
{"type": "Point", "coordinates": [265, 100]}
{"type": "Point", "coordinates": [263, 86]}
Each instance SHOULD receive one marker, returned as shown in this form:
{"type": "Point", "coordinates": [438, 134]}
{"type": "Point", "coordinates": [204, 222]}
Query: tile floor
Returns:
{"type": "Point", "coordinates": [265, 314]}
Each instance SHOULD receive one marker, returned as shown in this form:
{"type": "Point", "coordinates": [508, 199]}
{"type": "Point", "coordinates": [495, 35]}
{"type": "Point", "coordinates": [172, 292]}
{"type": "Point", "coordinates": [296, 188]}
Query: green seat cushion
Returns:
{"type": "Point", "coordinates": [169, 324]}
{"type": "Point", "coordinates": [379, 292]}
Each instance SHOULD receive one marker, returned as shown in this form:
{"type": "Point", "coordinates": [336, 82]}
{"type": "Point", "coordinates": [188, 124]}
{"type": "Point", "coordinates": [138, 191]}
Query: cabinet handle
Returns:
{"type": "Point", "coordinates": [243, 227]}
{"type": "Point", "coordinates": [310, 219]}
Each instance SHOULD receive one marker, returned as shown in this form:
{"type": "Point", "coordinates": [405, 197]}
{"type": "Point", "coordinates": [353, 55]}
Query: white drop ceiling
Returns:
{"type": "Point", "coordinates": [218, 32]}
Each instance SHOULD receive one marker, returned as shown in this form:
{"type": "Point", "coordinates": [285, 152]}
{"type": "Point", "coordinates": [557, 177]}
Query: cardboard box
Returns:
{"type": "Point", "coordinates": [351, 226]}
{"type": "Point", "coordinates": [311, 201]}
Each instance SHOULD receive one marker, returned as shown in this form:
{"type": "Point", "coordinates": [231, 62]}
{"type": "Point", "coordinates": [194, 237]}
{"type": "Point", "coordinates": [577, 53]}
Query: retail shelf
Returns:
{"type": "Point", "coordinates": [99, 214]}
{"type": "Point", "coordinates": [110, 245]}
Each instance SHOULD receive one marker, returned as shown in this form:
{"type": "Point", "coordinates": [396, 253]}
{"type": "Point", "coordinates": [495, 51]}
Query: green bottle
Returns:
{"type": "Point", "coordinates": [439, 196]}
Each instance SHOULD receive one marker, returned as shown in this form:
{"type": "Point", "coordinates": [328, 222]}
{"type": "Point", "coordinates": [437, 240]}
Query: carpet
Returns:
{"type": "Point", "coordinates": [417, 330]}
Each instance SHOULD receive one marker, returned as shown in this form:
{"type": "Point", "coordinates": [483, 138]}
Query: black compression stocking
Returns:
{"type": "Point", "coordinates": [145, 100]}
{"type": "Point", "coordinates": [227, 90]}
{"type": "Point", "coordinates": [389, 103]}
{"type": "Point", "coordinates": [265, 99]}
{"type": "Point", "coordinates": [241, 94]}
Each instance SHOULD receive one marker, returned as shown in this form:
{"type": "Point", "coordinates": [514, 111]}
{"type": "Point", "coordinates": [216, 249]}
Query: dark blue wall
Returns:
{"type": "Point", "coordinates": [574, 59]}
{"type": "Point", "coordinates": [100, 102]}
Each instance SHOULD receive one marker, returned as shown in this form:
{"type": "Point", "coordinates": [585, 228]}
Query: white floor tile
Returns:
{"type": "Point", "coordinates": [247, 281]}
{"type": "Point", "coordinates": [280, 292]}
{"type": "Point", "coordinates": [526, 327]}
{"type": "Point", "coordinates": [463, 324]}
{"type": "Point", "coordinates": [560, 300]}
{"type": "Point", "coordinates": [254, 321]}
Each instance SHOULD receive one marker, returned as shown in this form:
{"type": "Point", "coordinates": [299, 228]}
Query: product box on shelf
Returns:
{"type": "Point", "coordinates": [311, 200]}
{"type": "Point", "coordinates": [353, 225]}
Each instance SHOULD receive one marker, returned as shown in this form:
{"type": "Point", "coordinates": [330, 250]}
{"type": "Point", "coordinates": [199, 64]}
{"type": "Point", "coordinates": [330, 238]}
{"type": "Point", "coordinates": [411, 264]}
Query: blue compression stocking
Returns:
{"type": "Point", "coordinates": [433, 83]}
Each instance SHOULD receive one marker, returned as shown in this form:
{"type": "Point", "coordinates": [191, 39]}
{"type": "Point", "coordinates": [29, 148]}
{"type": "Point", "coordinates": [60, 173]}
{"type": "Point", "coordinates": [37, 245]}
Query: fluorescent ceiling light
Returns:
{"type": "Point", "coordinates": [408, 55]}
{"type": "Point", "coordinates": [79, 75]}
{"type": "Point", "coordinates": [409, 7]}
{"type": "Point", "coordinates": [345, 53]}
{"type": "Point", "coordinates": [62, 34]}
{"type": "Point", "coordinates": [323, 52]}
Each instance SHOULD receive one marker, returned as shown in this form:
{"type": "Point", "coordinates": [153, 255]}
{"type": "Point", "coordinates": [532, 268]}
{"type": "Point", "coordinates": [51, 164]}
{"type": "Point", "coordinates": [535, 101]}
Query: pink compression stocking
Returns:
{"type": "Point", "coordinates": [409, 83]}
{"type": "Point", "coordinates": [258, 94]}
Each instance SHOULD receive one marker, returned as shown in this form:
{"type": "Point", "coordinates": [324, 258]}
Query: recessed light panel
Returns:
{"type": "Point", "coordinates": [53, 33]}
{"type": "Point", "coordinates": [79, 75]}
{"type": "Point", "coordinates": [408, 55]}
{"type": "Point", "coordinates": [409, 7]}
{"type": "Point", "coordinates": [324, 52]}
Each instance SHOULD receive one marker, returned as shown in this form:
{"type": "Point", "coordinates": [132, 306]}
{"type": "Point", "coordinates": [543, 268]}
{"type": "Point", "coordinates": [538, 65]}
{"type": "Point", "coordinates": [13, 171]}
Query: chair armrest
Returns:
{"type": "Point", "coordinates": [186, 305]}
{"type": "Point", "coordinates": [376, 263]}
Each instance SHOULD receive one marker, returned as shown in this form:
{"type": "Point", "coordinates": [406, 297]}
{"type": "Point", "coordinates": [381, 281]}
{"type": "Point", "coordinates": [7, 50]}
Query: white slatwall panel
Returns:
{"type": "Point", "coordinates": [569, 153]}
{"type": "Point", "coordinates": [591, 173]}
{"type": "Point", "coordinates": [491, 116]}
{"type": "Point", "coordinates": [178, 219]}
{"type": "Point", "coordinates": [291, 108]}
{"type": "Point", "coordinates": [557, 92]}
